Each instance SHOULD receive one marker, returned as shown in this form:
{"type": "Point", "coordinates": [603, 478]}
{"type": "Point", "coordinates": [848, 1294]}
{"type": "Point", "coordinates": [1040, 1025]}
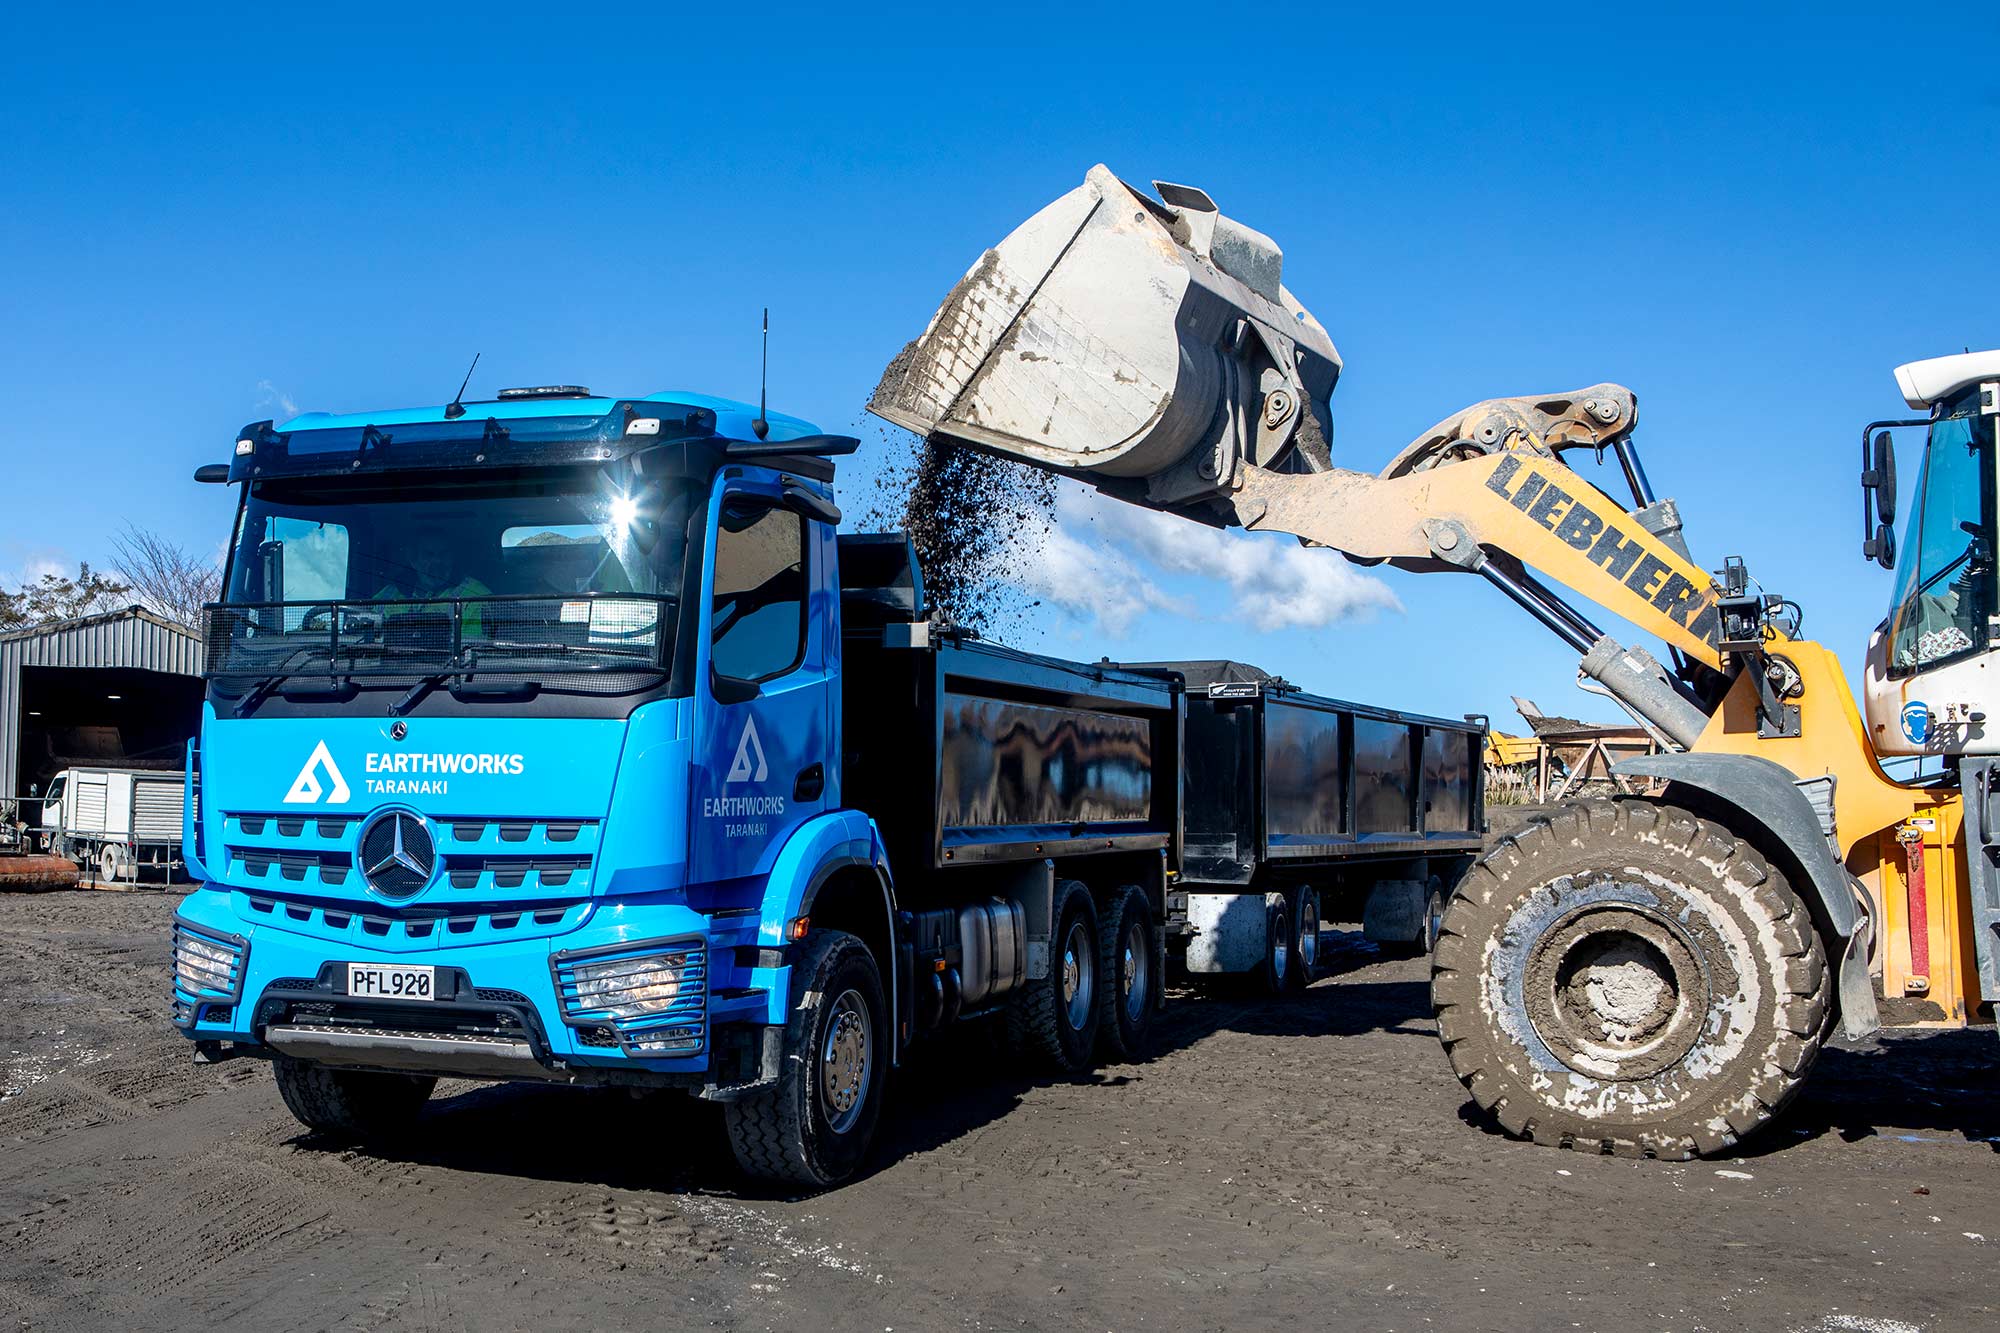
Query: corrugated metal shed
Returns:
{"type": "Point", "coordinates": [134, 638]}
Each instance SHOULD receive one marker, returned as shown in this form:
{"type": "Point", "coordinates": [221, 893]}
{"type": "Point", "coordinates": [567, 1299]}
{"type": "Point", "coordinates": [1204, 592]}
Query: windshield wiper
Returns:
{"type": "Point", "coordinates": [261, 691]}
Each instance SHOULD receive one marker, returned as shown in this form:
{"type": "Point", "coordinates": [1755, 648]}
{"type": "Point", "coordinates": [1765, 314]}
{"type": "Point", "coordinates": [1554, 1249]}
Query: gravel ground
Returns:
{"type": "Point", "coordinates": [1309, 1163]}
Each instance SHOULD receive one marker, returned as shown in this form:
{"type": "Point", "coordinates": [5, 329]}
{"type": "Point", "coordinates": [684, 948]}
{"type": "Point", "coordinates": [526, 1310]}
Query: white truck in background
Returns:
{"type": "Point", "coordinates": [121, 821]}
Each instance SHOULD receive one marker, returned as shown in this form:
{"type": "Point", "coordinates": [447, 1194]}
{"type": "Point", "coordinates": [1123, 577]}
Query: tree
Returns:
{"type": "Point", "coordinates": [164, 578]}
{"type": "Point", "coordinates": [55, 597]}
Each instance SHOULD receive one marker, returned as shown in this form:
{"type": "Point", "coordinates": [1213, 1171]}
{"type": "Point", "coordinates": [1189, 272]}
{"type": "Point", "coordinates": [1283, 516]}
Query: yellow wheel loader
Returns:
{"type": "Point", "coordinates": [1646, 975]}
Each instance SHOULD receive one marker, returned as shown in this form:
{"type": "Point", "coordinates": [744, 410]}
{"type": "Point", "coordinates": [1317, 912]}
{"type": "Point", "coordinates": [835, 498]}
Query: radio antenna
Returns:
{"type": "Point", "coordinates": [761, 425]}
{"type": "Point", "coordinates": [456, 407]}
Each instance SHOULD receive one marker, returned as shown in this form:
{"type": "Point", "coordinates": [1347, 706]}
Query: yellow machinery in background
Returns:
{"type": "Point", "coordinates": [1650, 975]}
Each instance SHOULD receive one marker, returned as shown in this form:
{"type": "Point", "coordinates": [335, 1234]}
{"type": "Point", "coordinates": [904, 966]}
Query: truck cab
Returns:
{"type": "Point", "coordinates": [519, 749]}
{"type": "Point", "coordinates": [1928, 681]}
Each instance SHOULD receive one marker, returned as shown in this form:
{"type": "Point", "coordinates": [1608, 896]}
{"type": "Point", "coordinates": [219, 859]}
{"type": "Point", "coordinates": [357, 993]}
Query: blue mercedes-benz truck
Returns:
{"type": "Point", "coordinates": [561, 738]}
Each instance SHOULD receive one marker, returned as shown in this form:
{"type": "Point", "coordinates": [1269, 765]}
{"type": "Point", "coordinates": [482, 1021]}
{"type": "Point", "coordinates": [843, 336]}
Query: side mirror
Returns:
{"type": "Point", "coordinates": [212, 473]}
{"type": "Point", "coordinates": [803, 502]}
{"type": "Point", "coordinates": [1878, 498]}
{"type": "Point", "coordinates": [1881, 548]}
{"type": "Point", "coordinates": [732, 689]}
{"type": "Point", "coordinates": [1883, 466]}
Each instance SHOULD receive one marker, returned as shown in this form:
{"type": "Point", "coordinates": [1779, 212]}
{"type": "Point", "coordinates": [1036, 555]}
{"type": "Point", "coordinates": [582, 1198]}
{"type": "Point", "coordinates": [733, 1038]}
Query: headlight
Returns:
{"type": "Point", "coordinates": [206, 966]}
{"type": "Point", "coordinates": [653, 995]}
{"type": "Point", "coordinates": [631, 987]}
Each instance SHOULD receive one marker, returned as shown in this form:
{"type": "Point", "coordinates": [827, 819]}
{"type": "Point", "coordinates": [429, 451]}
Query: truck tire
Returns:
{"type": "Point", "coordinates": [1131, 975]}
{"type": "Point", "coordinates": [352, 1104]}
{"type": "Point", "coordinates": [1054, 1020]}
{"type": "Point", "coordinates": [1302, 908]}
{"type": "Point", "coordinates": [1624, 977]}
{"type": "Point", "coordinates": [1274, 974]}
{"type": "Point", "coordinates": [1434, 901]}
{"type": "Point", "coordinates": [813, 1126]}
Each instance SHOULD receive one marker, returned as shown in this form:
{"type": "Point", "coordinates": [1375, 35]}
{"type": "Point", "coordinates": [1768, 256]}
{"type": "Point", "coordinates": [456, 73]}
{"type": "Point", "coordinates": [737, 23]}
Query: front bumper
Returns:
{"type": "Point", "coordinates": [499, 1011]}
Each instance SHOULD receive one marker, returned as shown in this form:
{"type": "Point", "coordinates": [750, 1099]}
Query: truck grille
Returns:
{"type": "Point", "coordinates": [530, 858]}
{"type": "Point", "coordinates": [322, 917]}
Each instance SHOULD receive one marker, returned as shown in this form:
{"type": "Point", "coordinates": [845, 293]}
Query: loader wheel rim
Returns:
{"type": "Point", "coordinates": [845, 1061]}
{"type": "Point", "coordinates": [1136, 962]}
{"type": "Point", "coordinates": [1616, 992]}
{"type": "Point", "coordinates": [1079, 984]}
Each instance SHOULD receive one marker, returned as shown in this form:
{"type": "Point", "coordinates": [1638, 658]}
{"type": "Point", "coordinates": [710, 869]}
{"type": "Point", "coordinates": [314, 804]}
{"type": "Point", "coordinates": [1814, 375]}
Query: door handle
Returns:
{"type": "Point", "coordinates": [811, 782]}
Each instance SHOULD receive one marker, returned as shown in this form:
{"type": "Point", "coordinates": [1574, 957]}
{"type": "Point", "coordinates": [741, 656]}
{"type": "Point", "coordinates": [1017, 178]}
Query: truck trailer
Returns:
{"type": "Point", "coordinates": [562, 738]}
{"type": "Point", "coordinates": [1299, 808]}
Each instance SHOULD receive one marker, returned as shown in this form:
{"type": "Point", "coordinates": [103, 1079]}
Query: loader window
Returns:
{"type": "Point", "coordinates": [1944, 592]}
{"type": "Point", "coordinates": [760, 592]}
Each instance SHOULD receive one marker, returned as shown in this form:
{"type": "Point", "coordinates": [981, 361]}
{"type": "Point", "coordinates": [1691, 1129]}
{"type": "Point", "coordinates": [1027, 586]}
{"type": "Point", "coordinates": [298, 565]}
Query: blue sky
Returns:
{"type": "Point", "coordinates": [1747, 219]}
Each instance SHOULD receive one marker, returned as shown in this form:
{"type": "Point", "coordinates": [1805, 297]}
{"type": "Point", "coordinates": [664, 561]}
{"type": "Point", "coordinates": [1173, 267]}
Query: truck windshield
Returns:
{"type": "Point", "coordinates": [573, 572]}
{"type": "Point", "coordinates": [1944, 586]}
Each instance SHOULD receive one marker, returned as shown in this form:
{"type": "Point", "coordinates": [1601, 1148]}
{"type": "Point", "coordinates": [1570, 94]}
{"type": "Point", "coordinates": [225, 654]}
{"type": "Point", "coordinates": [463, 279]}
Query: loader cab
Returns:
{"type": "Point", "coordinates": [1930, 681]}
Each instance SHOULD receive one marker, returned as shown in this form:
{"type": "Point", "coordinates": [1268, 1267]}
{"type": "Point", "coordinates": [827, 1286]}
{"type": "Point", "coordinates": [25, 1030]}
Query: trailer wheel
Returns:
{"type": "Point", "coordinates": [1055, 1019]}
{"type": "Point", "coordinates": [1302, 907]}
{"type": "Point", "coordinates": [1434, 903]}
{"type": "Point", "coordinates": [351, 1104]}
{"type": "Point", "coordinates": [1274, 973]}
{"type": "Point", "coordinates": [1131, 975]}
{"type": "Point", "coordinates": [1627, 978]}
{"type": "Point", "coordinates": [813, 1126]}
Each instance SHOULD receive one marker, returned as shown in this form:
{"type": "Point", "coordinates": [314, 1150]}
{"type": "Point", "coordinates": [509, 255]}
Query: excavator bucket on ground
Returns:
{"type": "Point", "coordinates": [1145, 345]}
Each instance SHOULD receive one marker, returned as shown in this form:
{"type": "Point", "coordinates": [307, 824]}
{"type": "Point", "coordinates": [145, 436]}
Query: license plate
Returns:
{"type": "Point", "coordinates": [373, 981]}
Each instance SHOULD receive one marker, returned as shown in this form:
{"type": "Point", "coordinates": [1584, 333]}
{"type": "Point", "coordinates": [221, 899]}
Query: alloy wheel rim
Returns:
{"type": "Point", "coordinates": [846, 1061]}
{"type": "Point", "coordinates": [1137, 962]}
{"type": "Point", "coordinates": [1079, 985]}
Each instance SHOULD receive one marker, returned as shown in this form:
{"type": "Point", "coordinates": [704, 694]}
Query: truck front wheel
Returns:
{"type": "Point", "coordinates": [1627, 978]}
{"type": "Point", "coordinates": [813, 1126]}
{"type": "Point", "coordinates": [350, 1103]}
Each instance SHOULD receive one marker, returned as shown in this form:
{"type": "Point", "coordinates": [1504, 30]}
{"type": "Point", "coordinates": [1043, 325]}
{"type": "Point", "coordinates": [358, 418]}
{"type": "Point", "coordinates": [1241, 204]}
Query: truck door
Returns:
{"type": "Point", "coordinates": [762, 741]}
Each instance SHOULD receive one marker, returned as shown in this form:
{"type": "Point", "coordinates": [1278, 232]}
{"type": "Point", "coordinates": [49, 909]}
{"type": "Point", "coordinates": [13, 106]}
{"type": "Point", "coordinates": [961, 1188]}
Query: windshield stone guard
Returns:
{"type": "Point", "coordinates": [586, 633]}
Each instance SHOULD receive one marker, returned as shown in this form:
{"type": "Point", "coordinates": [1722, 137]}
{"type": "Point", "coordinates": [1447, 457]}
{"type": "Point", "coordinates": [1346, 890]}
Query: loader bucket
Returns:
{"type": "Point", "coordinates": [1146, 345]}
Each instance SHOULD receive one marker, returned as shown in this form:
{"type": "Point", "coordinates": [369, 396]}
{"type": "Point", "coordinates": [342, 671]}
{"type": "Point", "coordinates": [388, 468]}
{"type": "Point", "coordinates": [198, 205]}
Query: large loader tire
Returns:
{"type": "Point", "coordinates": [1624, 977]}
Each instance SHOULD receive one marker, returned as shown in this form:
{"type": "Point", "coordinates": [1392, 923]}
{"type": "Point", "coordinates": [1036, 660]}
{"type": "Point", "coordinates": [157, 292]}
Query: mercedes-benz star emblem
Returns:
{"type": "Point", "coordinates": [397, 854]}
{"type": "Point", "coordinates": [398, 730]}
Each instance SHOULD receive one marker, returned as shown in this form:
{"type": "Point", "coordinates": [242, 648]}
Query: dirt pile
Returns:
{"type": "Point", "coordinates": [971, 517]}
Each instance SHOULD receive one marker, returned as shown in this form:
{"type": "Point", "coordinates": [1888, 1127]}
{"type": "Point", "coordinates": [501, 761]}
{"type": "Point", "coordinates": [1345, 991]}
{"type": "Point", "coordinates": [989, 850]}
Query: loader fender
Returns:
{"type": "Point", "coordinates": [1764, 797]}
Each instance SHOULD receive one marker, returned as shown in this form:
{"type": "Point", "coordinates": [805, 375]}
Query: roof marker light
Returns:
{"type": "Point", "coordinates": [643, 426]}
{"type": "Point", "coordinates": [243, 447]}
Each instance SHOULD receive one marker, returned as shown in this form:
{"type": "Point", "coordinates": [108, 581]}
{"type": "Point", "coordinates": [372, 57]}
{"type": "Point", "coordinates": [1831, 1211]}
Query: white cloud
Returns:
{"type": "Point", "coordinates": [1093, 581]}
{"type": "Point", "coordinates": [273, 396]}
{"type": "Point", "coordinates": [33, 565]}
{"type": "Point", "coordinates": [1101, 558]}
